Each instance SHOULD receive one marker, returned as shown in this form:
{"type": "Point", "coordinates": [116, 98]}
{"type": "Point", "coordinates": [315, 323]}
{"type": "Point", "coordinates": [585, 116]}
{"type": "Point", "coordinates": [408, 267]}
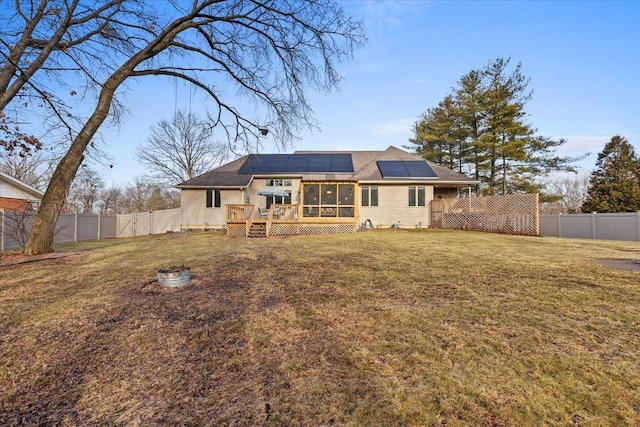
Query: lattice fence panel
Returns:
{"type": "Point", "coordinates": [302, 228]}
{"type": "Point", "coordinates": [236, 230]}
{"type": "Point", "coordinates": [292, 228]}
{"type": "Point", "coordinates": [509, 213]}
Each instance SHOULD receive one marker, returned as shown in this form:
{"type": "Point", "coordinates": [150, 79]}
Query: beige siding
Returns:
{"type": "Point", "coordinates": [261, 201]}
{"type": "Point", "coordinates": [195, 214]}
{"type": "Point", "coordinates": [393, 207]}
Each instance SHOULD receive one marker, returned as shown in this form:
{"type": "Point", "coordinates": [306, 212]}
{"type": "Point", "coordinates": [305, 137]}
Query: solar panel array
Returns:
{"type": "Point", "coordinates": [297, 163]}
{"type": "Point", "coordinates": [405, 169]}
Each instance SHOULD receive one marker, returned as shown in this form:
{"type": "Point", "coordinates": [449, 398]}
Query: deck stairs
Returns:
{"type": "Point", "coordinates": [258, 229]}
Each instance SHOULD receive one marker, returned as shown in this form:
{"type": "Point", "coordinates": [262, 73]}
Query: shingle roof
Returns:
{"type": "Point", "coordinates": [365, 169]}
{"type": "Point", "coordinates": [225, 176]}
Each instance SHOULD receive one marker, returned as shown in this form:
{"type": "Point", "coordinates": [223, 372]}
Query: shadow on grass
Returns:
{"type": "Point", "coordinates": [221, 350]}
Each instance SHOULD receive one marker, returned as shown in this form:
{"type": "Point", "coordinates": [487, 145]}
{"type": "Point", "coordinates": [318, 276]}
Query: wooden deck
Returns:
{"type": "Point", "coordinates": [281, 220]}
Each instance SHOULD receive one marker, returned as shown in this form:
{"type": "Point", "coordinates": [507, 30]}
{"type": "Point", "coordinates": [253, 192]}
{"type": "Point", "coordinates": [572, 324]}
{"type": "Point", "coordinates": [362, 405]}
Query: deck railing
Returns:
{"type": "Point", "coordinates": [239, 213]}
{"type": "Point", "coordinates": [282, 220]}
{"type": "Point", "coordinates": [284, 213]}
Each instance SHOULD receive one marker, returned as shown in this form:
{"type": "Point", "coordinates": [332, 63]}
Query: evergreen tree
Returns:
{"type": "Point", "coordinates": [472, 121]}
{"type": "Point", "coordinates": [505, 140]}
{"type": "Point", "coordinates": [437, 135]}
{"type": "Point", "coordinates": [614, 186]}
{"type": "Point", "coordinates": [481, 128]}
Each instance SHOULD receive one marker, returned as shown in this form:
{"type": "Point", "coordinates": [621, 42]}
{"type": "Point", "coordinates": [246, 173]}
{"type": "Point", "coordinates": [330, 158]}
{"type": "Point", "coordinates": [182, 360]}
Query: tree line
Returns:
{"type": "Point", "coordinates": [612, 186]}
{"type": "Point", "coordinates": [175, 151]}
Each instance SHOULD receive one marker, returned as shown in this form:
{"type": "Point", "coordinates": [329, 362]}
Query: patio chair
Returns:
{"type": "Point", "coordinates": [263, 212]}
{"type": "Point", "coordinates": [278, 213]}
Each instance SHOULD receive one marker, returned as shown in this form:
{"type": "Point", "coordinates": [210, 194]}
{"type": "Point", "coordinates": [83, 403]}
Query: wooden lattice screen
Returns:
{"type": "Point", "coordinates": [509, 213]}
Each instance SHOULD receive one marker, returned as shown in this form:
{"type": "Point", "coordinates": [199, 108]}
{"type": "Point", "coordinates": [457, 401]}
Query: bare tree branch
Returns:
{"type": "Point", "coordinates": [181, 149]}
{"type": "Point", "coordinates": [270, 51]}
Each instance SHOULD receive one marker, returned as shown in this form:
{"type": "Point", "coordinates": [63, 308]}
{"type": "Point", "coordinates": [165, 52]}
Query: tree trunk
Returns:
{"type": "Point", "coordinates": [42, 232]}
{"type": "Point", "coordinates": [43, 229]}
{"type": "Point", "coordinates": [504, 175]}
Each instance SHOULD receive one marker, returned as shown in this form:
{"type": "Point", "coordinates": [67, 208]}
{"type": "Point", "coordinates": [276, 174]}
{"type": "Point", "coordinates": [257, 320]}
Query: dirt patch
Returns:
{"type": "Point", "coordinates": [620, 263]}
{"type": "Point", "coordinates": [13, 259]}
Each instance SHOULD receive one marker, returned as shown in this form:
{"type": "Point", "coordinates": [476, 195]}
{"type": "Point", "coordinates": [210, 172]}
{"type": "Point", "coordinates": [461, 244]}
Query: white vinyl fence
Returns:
{"type": "Point", "coordinates": [78, 227]}
{"type": "Point", "coordinates": [71, 227]}
{"type": "Point", "coordinates": [605, 226]}
{"type": "Point", "coordinates": [153, 222]}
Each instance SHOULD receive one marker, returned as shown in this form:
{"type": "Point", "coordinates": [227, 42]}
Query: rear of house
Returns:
{"type": "Point", "coordinates": [324, 192]}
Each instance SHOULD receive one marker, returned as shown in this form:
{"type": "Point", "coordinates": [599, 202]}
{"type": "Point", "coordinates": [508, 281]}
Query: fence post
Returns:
{"type": "Point", "coordinates": [75, 227]}
{"type": "Point", "coordinates": [559, 224]}
{"type": "Point", "coordinates": [593, 225]}
{"type": "Point", "coordinates": [638, 225]}
{"type": "Point", "coordinates": [99, 225]}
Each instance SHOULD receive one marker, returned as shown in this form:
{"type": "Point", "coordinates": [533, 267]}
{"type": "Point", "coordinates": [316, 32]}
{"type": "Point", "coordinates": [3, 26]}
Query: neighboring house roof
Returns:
{"type": "Point", "coordinates": [362, 166]}
{"type": "Point", "coordinates": [16, 189]}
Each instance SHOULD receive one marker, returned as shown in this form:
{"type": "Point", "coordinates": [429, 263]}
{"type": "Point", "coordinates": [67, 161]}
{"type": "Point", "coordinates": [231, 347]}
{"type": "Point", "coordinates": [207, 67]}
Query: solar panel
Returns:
{"type": "Point", "coordinates": [405, 169]}
{"type": "Point", "coordinates": [341, 163]}
{"type": "Point", "coordinates": [319, 163]}
{"type": "Point", "coordinates": [297, 163]}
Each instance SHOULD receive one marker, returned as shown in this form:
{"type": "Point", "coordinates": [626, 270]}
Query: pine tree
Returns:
{"type": "Point", "coordinates": [481, 129]}
{"type": "Point", "coordinates": [438, 135]}
{"type": "Point", "coordinates": [614, 186]}
{"type": "Point", "coordinates": [472, 120]}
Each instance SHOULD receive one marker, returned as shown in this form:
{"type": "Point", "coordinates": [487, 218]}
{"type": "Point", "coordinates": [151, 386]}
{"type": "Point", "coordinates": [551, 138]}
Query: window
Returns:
{"type": "Point", "coordinates": [328, 200]}
{"type": "Point", "coordinates": [417, 196]}
{"type": "Point", "coordinates": [278, 183]}
{"type": "Point", "coordinates": [213, 198]}
{"type": "Point", "coordinates": [421, 196]}
{"type": "Point", "coordinates": [369, 196]}
{"type": "Point", "coordinates": [279, 200]}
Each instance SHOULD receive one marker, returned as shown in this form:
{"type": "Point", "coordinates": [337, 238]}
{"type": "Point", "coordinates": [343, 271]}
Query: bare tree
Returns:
{"type": "Point", "coordinates": [181, 149]}
{"type": "Point", "coordinates": [110, 200]}
{"type": "Point", "coordinates": [571, 190]}
{"type": "Point", "coordinates": [53, 54]}
{"type": "Point", "coordinates": [85, 190]}
{"type": "Point", "coordinates": [272, 51]}
{"type": "Point", "coordinates": [32, 168]}
{"type": "Point", "coordinates": [142, 195]}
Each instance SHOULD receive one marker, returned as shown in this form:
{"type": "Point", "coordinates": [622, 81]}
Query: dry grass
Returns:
{"type": "Point", "coordinates": [379, 328]}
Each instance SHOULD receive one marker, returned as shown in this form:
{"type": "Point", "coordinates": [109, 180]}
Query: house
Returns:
{"type": "Point", "coordinates": [15, 195]}
{"type": "Point", "coordinates": [318, 192]}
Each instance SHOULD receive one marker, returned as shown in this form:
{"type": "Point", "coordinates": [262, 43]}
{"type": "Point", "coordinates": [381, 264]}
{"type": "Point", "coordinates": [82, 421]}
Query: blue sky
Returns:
{"type": "Point", "coordinates": [583, 59]}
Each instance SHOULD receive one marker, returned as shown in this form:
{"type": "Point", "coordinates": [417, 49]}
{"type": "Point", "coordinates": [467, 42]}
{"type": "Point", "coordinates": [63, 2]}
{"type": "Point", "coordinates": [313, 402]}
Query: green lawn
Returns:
{"type": "Point", "coordinates": [393, 327]}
